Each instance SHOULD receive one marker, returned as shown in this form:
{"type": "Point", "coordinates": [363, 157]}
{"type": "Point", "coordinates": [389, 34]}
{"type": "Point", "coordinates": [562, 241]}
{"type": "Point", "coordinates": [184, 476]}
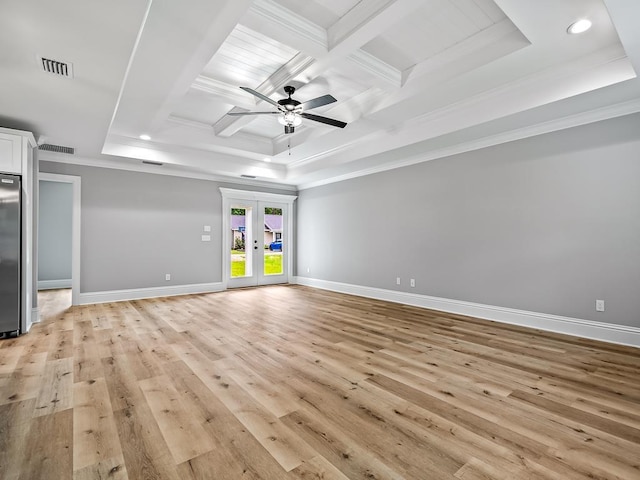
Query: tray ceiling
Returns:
{"type": "Point", "coordinates": [414, 80]}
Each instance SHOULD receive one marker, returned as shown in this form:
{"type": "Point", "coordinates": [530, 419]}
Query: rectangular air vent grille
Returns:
{"type": "Point", "coordinates": [56, 67]}
{"type": "Point", "coordinates": [47, 147]}
{"type": "Point", "coordinates": [150, 162]}
{"type": "Point", "coordinates": [248, 176]}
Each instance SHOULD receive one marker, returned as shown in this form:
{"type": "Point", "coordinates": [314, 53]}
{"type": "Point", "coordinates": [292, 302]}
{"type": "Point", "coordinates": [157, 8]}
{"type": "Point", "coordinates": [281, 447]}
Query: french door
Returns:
{"type": "Point", "coordinates": [256, 243]}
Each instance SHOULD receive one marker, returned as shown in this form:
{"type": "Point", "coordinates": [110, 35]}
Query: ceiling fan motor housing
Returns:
{"type": "Point", "coordinates": [289, 103]}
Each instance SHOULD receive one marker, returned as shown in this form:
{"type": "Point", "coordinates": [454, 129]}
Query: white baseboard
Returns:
{"type": "Point", "coordinates": [606, 332]}
{"type": "Point", "coordinates": [54, 284]}
{"type": "Point", "coordinates": [35, 315]}
{"type": "Point", "coordinates": [153, 292]}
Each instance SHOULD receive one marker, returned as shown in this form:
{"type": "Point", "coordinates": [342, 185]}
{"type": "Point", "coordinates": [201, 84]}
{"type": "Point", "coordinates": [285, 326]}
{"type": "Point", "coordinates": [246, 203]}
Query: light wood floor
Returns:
{"type": "Point", "coordinates": [288, 382]}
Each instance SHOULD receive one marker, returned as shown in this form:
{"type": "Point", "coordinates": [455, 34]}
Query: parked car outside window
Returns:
{"type": "Point", "coordinates": [276, 246]}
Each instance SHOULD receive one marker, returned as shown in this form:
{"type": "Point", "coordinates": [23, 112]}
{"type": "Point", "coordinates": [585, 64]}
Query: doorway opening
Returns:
{"type": "Point", "coordinates": [59, 233]}
{"type": "Point", "coordinates": [257, 242]}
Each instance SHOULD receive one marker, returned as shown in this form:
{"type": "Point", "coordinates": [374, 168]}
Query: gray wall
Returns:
{"type": "Point", "coordinates": [136, 227]}
{"type": "Point", "coordinates": [547, 224]}
{"type": "Point", "coordinates": [54, 230]}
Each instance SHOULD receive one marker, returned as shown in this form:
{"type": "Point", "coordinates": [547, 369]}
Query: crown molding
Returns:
{"type": "Point", "coordinates": [271, 11]}
{"type": "Point", "coordinates": [377, 67]}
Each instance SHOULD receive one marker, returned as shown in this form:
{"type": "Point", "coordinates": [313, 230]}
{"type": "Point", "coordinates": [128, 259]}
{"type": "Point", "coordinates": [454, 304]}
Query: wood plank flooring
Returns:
{"type": "Point", "coordinates": [289, 382]}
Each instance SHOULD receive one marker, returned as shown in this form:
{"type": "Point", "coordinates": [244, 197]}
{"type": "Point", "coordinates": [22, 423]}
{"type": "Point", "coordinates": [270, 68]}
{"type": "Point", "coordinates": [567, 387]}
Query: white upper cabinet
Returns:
{"type": "Point", "coordinates": [10, 153]}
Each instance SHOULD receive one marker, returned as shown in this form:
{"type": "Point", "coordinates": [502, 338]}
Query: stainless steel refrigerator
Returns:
{"type": "Point", "coordinates": [10, 254]}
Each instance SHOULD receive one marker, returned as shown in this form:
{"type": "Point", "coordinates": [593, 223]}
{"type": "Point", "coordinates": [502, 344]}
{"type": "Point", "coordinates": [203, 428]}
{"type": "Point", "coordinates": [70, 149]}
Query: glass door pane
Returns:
{"type": "Point", "coordinates": [273, 265]}
{"type": "Point", "coordinates": [242, 271]}
{"type": "Point", "coordinates": [273, 225]}
{"type": "Point", "coordinates": [238, 241]}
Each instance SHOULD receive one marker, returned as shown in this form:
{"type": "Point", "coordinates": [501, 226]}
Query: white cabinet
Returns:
{"type": "Point", "coordinates": [16, 157]}
{"type": "Point", "coordinates": [10, 153]}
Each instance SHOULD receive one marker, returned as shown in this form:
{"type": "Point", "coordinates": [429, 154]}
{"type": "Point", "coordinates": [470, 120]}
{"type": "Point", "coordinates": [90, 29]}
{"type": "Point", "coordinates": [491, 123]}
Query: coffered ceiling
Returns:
{"type": "Point", "coordinates": [414, 80]}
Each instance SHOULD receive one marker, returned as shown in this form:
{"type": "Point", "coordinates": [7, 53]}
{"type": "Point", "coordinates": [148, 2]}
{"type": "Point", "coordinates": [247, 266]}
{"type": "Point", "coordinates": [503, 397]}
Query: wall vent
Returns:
{"type": "Point", "coordinates": [56, 67]}
{"type": "Point", "coordinates": [248, 176]}
{"type": "Point", "coordinates": [150, 162]}
{"type": "Point", "coordinates": [47, 147]}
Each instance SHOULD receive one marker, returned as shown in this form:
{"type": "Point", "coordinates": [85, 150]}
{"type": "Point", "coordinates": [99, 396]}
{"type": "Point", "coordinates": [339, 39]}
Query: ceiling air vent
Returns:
{"type": "Point", "coordinates": [55, 67]}
{"type": "Point", "coordinates": [150, 162]}
{"type": "Point", "coordinates": [47, 147]}
{"type": "Point", "coordinates": [248, 176]}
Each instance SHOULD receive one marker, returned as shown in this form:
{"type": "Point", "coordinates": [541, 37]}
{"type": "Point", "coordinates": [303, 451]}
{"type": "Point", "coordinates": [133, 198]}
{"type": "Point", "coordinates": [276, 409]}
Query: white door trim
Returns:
{"type": "Point", "coordinates": [75, 228]}
{"type": "Point", "coordinates": [228, 196]}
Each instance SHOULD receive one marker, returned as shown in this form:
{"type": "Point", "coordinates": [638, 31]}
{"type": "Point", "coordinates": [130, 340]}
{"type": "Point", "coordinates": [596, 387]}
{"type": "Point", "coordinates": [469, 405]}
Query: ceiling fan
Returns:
{"type": "Point", "coordinates": [292, 111]}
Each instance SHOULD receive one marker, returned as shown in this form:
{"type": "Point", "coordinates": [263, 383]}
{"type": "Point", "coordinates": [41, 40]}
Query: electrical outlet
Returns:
{"type": "Point", "coordinates": [599, 305]}
{"type": "Point", "coordinates": [397, 280]}
{"type": "Point", "coordinates": [308, 269]}
{"type": "Point", "coordinates": [413, 282]}
{"type": "Point", "coordinates": [167, 277]}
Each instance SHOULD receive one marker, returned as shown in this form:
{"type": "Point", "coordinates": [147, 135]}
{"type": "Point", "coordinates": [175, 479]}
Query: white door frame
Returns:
{"type": "Point", "coordinates": [75, 228]}
{"type": "Point", "coordinates": [229, 195]}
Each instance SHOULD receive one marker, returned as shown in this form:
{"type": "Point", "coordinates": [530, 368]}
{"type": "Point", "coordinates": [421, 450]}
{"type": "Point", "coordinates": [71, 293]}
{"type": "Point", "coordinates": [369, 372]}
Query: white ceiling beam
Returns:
{"type": "Point", "coordinates": [281, 24]}
{"type": "Point", "coordinates": [228, 93]}
{"type": "Point", "coordinates": [377, 67]}
{"type": "Point", "coordinates": [366, 21]}
{"type": "Point", "coordinates": [485, 46]}
{"type": "Point", "coordinates": [187, 34]}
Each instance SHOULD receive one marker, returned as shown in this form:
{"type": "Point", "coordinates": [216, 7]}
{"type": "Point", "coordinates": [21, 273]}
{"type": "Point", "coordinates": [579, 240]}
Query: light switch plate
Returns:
{"type": "Point", "coordinates": [207, 228]}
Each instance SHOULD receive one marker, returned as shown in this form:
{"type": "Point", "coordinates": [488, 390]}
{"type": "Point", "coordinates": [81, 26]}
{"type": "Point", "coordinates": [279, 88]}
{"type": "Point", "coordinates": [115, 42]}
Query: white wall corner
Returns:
{"type": "Point", "coordinates": [35, 315]}
{"type": "Point", "coordinates": [606, 332]}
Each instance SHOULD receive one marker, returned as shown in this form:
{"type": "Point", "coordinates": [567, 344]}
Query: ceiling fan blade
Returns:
{"type": "Point", "coordinates": [328, 121]}
{"type": "Point", "coordinates": [253, 113]}
{"type": "Point", "coordinates": [261, 96]}
{"type": "Point", "coordinates": [318, 102]}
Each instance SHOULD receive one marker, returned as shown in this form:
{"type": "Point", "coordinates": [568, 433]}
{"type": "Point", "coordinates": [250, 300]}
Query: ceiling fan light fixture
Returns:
{"type": "Point", "coordinates": [290, 118]}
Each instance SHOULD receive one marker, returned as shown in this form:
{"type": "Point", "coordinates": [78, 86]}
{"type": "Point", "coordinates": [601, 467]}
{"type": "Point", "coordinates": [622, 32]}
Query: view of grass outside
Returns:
{"type": "Point", "coordinates": [272, 263]}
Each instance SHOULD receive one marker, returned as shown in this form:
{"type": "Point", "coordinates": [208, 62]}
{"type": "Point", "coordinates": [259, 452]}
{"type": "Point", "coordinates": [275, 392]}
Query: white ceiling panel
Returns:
{"type": "Point", "coordinates": [439, 25]}
{"type": "Point", "coordinates": [264, 126]}
{"type": "Point", "coordinates": [247, 58]}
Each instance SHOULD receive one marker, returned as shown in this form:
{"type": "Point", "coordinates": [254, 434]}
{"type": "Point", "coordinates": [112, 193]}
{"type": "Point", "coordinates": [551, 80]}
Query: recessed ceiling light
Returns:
{"type": "Point", "coordinates": [144, 136]}
{"type": "Point", "coordinates": [580, 26]}
{"type": "Point", "coordinates": [266, 159]}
